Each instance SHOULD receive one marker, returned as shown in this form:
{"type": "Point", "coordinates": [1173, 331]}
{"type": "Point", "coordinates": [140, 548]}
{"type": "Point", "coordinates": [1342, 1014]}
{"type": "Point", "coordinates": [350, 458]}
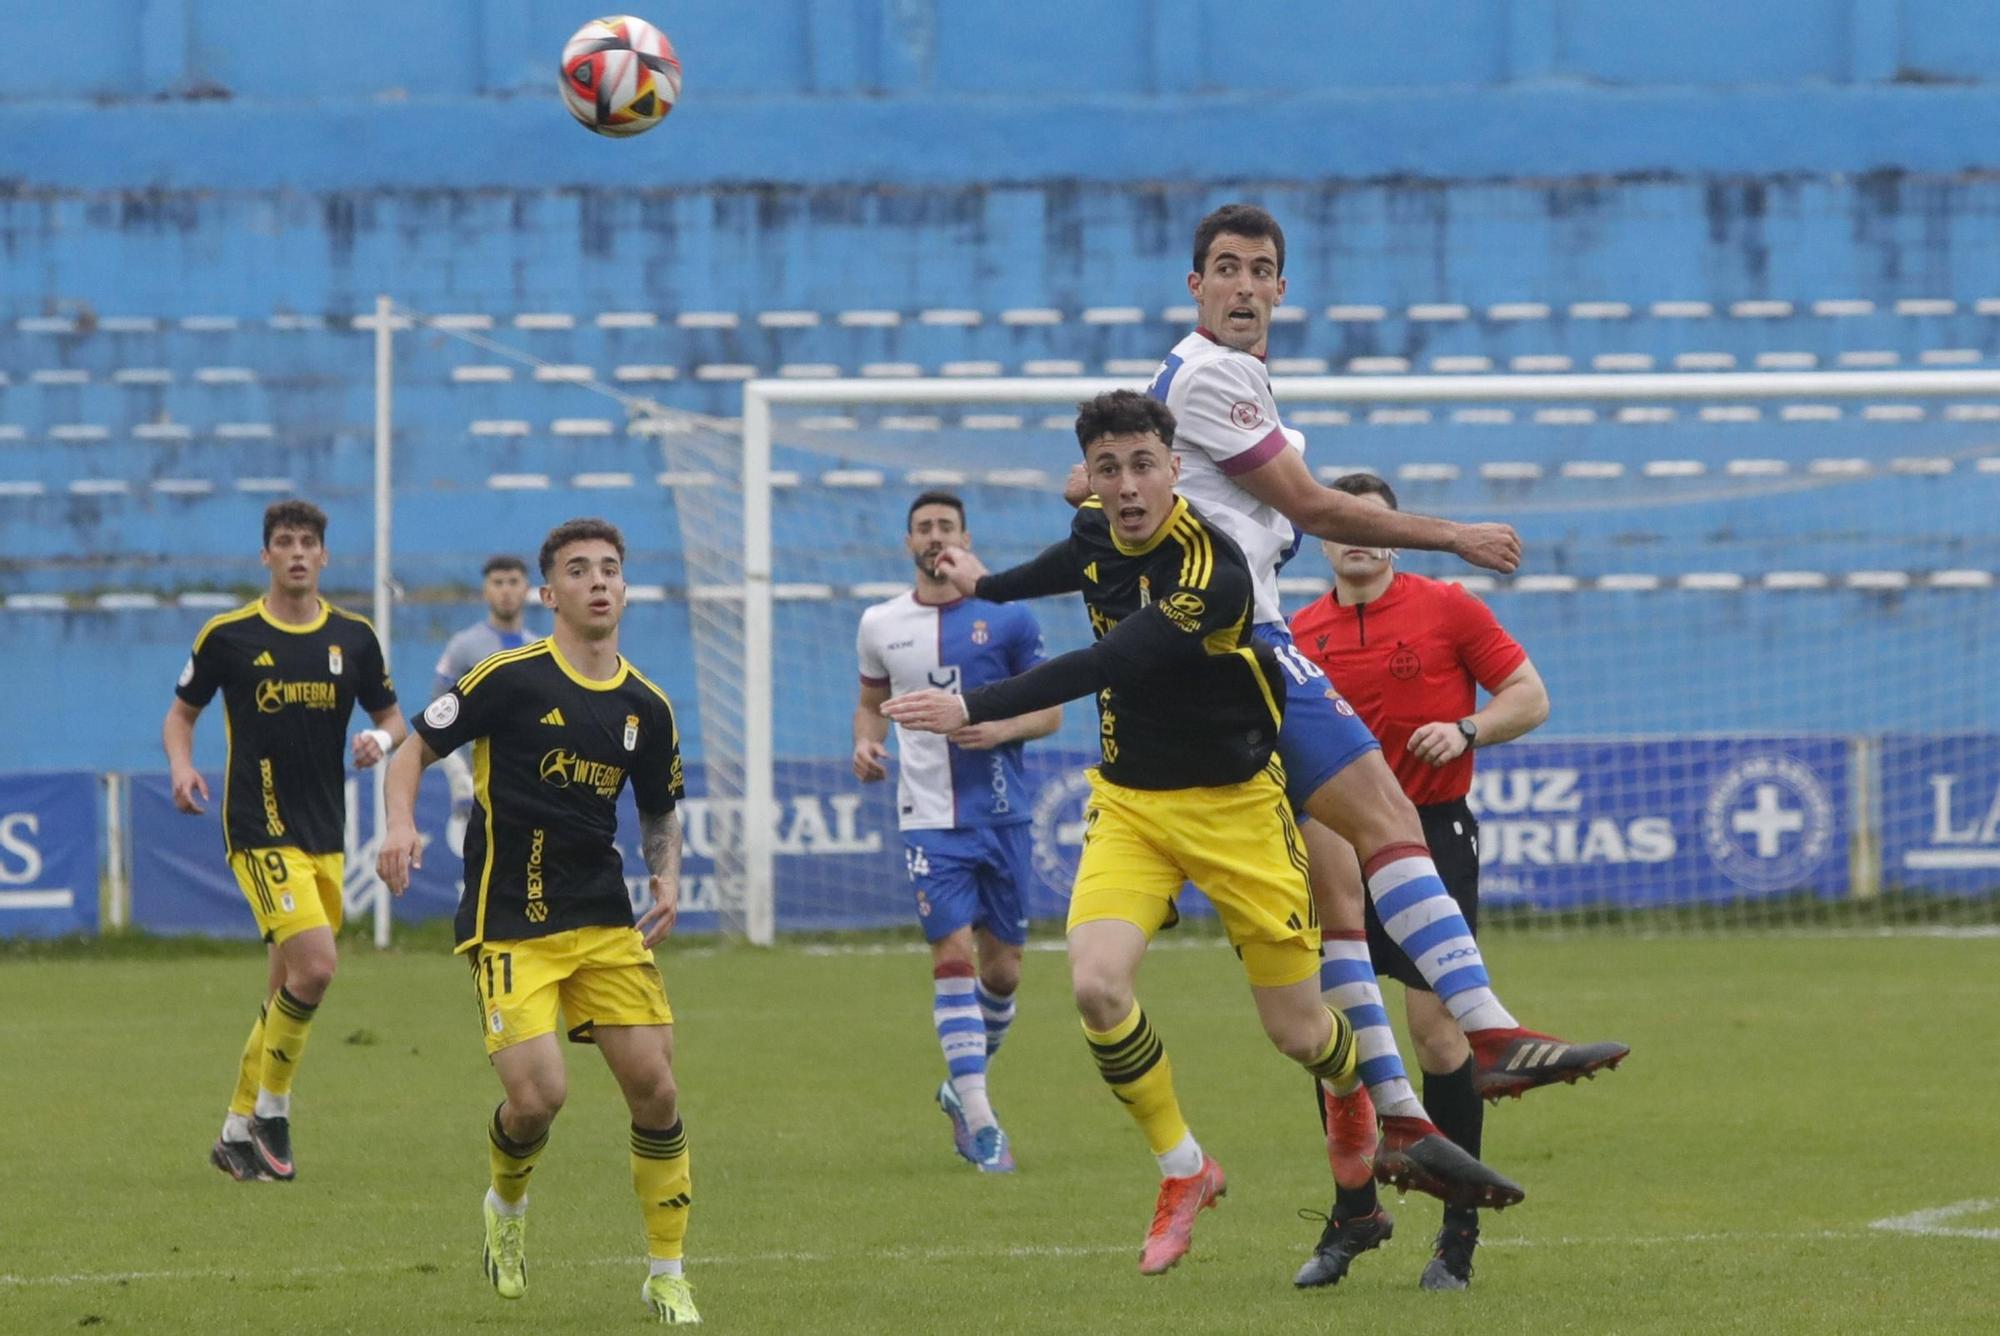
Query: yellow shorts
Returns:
{"type": "Point", "coordinates": [290, 890]}
{"type": "Point", "coordinates": [1237, 842]}
{"type": "Point", "coordinates": [596, 976]}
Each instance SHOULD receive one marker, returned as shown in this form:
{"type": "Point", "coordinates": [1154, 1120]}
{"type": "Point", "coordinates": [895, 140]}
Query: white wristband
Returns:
{"type": "Point", "coordinates": [381, 736]}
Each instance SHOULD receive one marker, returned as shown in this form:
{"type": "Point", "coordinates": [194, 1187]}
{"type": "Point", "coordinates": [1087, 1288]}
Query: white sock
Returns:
{"type": "Point", "coordinates": [1183, 1161]}
{"type": "Point", "coordinates": [962, 1035]}
{"type": "Point", "coordinates": [501, 1207]}
{"type": "Point", "coordinates": [273, 1106]}
{"type": "Point", "coordinates": [236, 1127]}
{"type": "Point", "coordinates": [664, 1266]}
{"type": "Point", "coordinates": [971, 1090]}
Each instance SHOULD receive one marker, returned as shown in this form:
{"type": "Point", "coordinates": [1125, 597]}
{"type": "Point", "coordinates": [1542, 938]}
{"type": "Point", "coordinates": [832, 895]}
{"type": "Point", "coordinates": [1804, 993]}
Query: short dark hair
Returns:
{"type": "Point", "coordinates": [1118, 412]}
{"type": "Point", "coordinates": [578, 531]}
{"type": "Point", "coordinates": [1365, 484]}
{"type": "Point", "coordinates": [503, 562]}
{"type": "Point", "coordinates": [294, 514]}
{"type": "Point", "coordinates": [1243, 220]}
{"type": "Point", "coordinates": [934, 499]}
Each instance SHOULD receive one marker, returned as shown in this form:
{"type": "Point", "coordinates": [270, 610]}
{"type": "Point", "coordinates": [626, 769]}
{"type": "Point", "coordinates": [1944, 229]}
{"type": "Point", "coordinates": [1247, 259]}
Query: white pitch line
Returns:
{"type": "Point", "coordinates": [459, 1261]}
{"type": "Point", "coordinates": [1931, 1223]}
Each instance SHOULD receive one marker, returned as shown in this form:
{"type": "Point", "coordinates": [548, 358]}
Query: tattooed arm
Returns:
{"type": "Point", "coordinates": [660, 843]}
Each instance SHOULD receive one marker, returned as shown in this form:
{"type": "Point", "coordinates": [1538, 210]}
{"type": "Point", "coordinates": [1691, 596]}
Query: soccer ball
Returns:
{"type": "Point", "coordinates": [620, 76]}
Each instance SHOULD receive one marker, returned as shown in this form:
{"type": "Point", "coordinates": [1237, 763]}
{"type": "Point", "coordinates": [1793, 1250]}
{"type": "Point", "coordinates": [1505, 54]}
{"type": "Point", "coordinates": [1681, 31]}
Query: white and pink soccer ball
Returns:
{"type": "Point", "coordinates": [620, 76]}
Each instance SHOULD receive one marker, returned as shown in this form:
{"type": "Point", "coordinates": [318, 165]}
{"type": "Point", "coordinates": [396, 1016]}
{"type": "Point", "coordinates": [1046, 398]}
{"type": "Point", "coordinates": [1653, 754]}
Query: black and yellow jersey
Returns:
{"type": "Point", "coordinates": [1186, 698]}
{"type": "Point", "coordinates": [551, 750]}
{"type": "Point", "coordinates": [287, 694]}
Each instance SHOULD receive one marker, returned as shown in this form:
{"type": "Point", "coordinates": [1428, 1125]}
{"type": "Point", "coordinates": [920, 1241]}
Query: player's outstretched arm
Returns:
{"type": "Point", "coordinates": [660, 843]}
{"type": "Point", "coordinates": [402, 848]}
{"type": "Point", "coordinates": [1285, 484]}
{"type": "Point", "coordinates": [1143, 645]}
{"type": "Point", "coordinates": [1051, 571]}
{"type": "Point", "coordinates": [177, 736]}
{"type": "Point", "coordinates": [999, 732]}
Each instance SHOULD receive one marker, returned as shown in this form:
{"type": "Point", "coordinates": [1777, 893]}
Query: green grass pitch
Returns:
{"type": "Point", "coordinates": [1784, 1096]}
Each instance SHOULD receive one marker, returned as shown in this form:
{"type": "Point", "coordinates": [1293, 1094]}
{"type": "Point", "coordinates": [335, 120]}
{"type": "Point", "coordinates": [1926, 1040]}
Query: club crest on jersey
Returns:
{"type": "Point", "coordinates": [979, 633]}
{"type": "Point", "coordinates": [631, 732]}
{"type": "Point", "coordinates": [333, 659]}
{"type": "Point", "coordinates": [1145, 591]}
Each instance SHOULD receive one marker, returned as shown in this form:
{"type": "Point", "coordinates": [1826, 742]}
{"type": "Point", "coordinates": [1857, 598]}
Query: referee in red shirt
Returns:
{"type": "Point", "coordinates": [1407, 653]}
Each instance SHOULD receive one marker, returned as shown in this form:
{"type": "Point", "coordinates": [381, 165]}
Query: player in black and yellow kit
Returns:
{"type": "Point", "coordinates": [558, 728]}
{"type": "Point", "coordinates": [290, 667]}
{"type": "Point", "coordinates": [1189, 706]}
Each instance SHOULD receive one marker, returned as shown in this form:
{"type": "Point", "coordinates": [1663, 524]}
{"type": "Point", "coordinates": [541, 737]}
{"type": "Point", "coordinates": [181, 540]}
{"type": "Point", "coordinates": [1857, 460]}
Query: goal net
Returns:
{"type": "Point", "coordinates": [1763, 604]}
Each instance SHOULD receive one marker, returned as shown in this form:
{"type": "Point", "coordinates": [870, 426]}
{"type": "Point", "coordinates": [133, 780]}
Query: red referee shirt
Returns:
{"type": "Point", "coordinates": [1406, 659]}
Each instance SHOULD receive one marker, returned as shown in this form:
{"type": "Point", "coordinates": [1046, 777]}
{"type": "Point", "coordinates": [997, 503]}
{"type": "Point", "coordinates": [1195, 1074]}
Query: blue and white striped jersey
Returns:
{"type": "Point", "coordinates": [906, 646]}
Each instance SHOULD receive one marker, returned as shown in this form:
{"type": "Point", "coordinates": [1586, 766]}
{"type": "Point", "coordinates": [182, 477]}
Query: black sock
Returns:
{"type": "Point", "coordinates": [1460, 1114]}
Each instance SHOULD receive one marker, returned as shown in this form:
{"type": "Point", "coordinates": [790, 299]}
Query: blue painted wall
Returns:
{"type": "Point", "coordinates": [899, 155]}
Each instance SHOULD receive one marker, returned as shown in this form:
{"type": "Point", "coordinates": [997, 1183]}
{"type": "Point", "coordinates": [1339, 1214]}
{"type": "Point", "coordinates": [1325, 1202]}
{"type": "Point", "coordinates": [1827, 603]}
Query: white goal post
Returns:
{"type": "Point", "coordinates": [764, 399]}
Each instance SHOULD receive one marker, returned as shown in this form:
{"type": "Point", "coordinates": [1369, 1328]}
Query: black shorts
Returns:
{"type": "Point", "coordinates": [1452, 832]}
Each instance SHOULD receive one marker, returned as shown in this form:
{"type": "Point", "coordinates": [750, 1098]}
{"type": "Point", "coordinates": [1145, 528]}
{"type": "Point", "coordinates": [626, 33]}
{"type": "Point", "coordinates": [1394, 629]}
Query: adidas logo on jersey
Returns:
{"type": "Point", "coordinates": [264, 660]}
{"type": "Point", "coordinates": [555, 717]}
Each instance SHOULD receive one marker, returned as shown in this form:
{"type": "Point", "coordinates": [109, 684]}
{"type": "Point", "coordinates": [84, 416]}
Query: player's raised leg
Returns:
{"type": "Point", "coordinates": [536, 1083]}
{"type": "Point", "coordinates": [1104, 956]}
{"type": "Point", "coordinates": [1413, 1153]}
{"type": "Point", "coordinates": [1366, 807]}
{"type": "Point", "coordinates": [641, 1057]}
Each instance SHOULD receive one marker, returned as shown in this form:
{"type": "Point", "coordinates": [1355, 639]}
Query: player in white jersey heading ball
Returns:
{"type": "Point", "coordinates": [964, 805]}
{"type": "Point", "coordinates": [1245, 472]}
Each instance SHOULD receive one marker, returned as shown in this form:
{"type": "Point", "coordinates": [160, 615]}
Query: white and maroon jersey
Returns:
{"type": "Point", "coordinates": [1227, 424]}
{"type": "Point", "coordinates": [906, 646]}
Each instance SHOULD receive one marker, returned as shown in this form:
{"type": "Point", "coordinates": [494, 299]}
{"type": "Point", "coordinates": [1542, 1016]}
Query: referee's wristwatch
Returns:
{"type": "Point", "coordinates": [1470, 731]}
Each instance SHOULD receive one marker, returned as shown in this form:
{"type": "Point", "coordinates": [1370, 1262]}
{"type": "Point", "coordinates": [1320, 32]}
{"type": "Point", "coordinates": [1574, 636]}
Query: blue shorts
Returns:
{"type": "Point", "coordinates": [1321, 735]}
{"type": "Point", "coordinates": [973, 877]}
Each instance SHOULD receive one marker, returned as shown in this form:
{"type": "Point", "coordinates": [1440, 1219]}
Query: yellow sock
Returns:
{"type": "Point", "coordinates": [660, 1177]}
{"type": "Point", "coordinates": [244, 1100]}
{"type": "Point", "coordinates": [286, 1025]}
{"type": "Point", "coordinates": [511, 1161]}
{"type": "Point", "coordinates": [1135, 1065]}
{"type": "Point", "coordinates": [1336, 1063]}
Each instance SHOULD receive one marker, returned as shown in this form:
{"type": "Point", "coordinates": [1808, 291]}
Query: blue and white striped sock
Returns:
{"type": "Point", "coordinates": [1422, 918]}
{"type": "Point", "coordinates": [997, 1010]}
{"type": "Point", "coordinates": [1347, 981]}
{"type": "Point", "coordinates": [962, 1035]}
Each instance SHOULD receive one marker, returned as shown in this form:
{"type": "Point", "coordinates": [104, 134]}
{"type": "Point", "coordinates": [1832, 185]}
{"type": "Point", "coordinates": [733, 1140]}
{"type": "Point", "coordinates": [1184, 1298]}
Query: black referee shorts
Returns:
{"type": "Point", "coordinates": [1452, 832]}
